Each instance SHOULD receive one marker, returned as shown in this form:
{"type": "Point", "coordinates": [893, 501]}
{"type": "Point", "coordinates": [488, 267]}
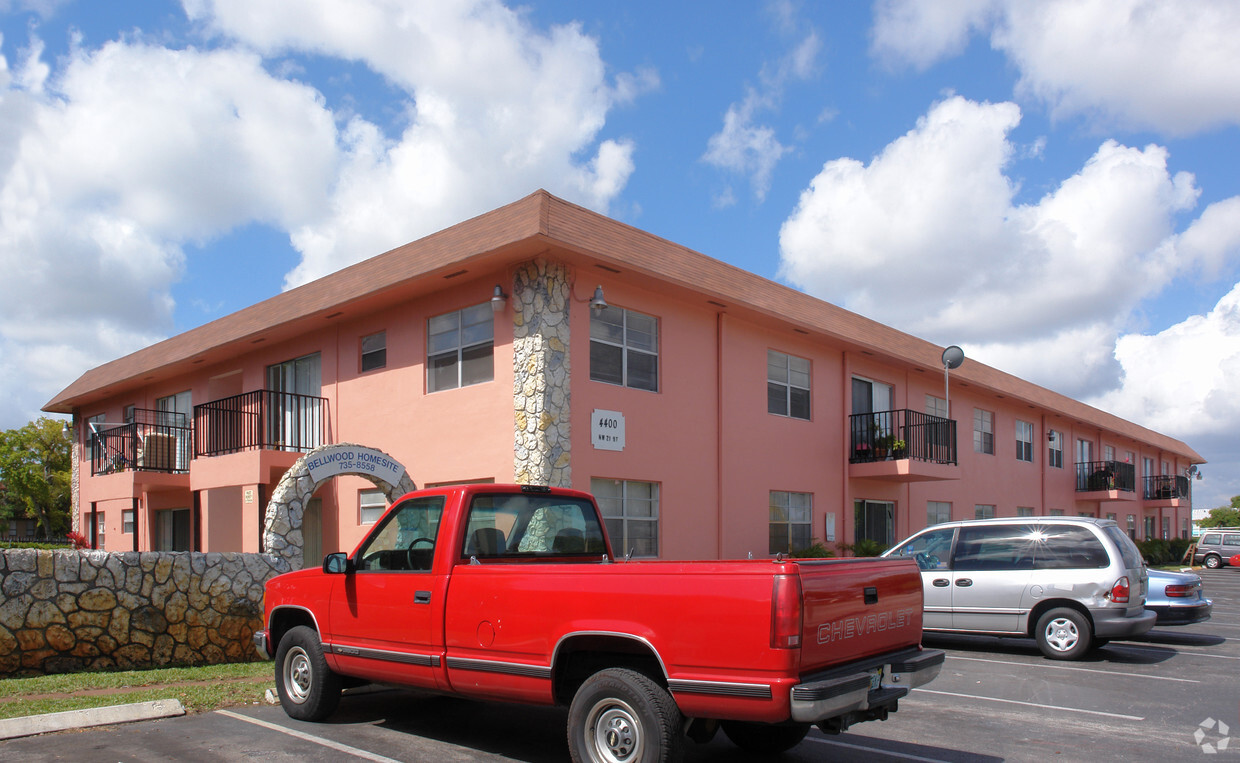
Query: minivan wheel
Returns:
{"type": "Point", "coordinates": [1063, 634]}
{"type": "Point", "coordinates": [1213, 561]}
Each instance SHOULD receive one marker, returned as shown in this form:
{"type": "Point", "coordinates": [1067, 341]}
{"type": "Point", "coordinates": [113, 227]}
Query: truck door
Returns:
{"type": "Point", "coordinates": [386, 621]}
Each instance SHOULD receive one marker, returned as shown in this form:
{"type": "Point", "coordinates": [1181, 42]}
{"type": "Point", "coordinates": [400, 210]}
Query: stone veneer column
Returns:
{"type": "Point", "coordinates": [541, 448]}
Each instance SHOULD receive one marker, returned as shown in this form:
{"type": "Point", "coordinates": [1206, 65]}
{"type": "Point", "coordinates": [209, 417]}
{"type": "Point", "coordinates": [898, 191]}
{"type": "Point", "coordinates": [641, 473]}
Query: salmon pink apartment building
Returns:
{"type": "Point", "coordinates": [713, 413]}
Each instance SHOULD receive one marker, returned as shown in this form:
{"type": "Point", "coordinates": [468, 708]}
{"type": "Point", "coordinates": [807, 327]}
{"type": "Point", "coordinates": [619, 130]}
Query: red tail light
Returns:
{"type": "Point", "coordinates": [786, 612]}
{"type": "Point", "coordinates": [1119, 591]}
{"type": "Point", "coordinates": [1179, 591]}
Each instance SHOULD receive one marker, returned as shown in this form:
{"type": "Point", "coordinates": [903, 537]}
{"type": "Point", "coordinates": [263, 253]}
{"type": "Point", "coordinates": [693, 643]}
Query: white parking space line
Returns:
{"type": "Point", "coordinates": [354, 751]}
{"type": "Point", "coordinates": [1079, 670]}
{"type": "Point", "coordinates": [878, 750]}
{"type": "Point", "coordinates": [1176, 649]}
{"type": "Point", "coordinates": [1119, 716]}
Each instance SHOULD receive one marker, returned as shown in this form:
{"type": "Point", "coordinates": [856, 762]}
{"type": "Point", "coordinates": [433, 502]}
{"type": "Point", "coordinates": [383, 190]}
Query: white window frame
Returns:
{"type": "Point", "coordinates": [626, 510]}
{"type": "Point", "coordinates": [793, 512]}
{"type": "Point", "coordinates": [1055, 449]}
{"type": "Point", "coordinates": [448, 334]}
{"type": "Point", "coordinates": [127, 521]}
{"type": "Point", "coordinates": [629, 346]}
{"type": "Point", "coordinates": [1024, 441]}
{"type": "Point", "coordinates": [372, 502]}
{"type": "Point", "coordinates": [786, 374]}
{"type": "Point", "coordinates": [984, 511]}
{"type": "Point", "coordinates": [372, 350]}
{"type": "Point", "coordinates": [938, 512]}
{"type": "Point", "coordinates": [983, 431]}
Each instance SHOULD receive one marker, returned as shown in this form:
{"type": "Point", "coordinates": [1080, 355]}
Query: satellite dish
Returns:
{"type": "Point", "coordinates": [953, 356]}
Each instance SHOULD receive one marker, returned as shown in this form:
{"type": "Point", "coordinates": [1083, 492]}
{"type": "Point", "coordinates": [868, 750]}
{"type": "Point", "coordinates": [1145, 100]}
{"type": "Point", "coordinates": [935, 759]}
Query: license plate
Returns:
{"type": "Point", "coordinates": [876, 679]}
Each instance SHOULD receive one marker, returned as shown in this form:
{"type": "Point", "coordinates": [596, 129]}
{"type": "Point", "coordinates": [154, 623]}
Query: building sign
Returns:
{"type": "Point", "coordinates": [607, 430]}
{"type": "Point", "coordinates": [350, 459]}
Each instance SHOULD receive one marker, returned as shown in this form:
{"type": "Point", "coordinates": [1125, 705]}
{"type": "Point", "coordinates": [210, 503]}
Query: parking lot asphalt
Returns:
{"type": "Point", "coordinates": [1169, 696]}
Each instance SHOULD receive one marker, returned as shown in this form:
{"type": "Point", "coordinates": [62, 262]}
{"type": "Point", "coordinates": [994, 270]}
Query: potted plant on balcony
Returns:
{"type": "Point", "coordinates": [899, 449]}
{"type": "Point", "coordinates": [882, 445]}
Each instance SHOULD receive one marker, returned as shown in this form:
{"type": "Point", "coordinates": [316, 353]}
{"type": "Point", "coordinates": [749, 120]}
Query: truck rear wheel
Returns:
{"type": "Point", "coordinates": [622, 716]}
{"type": "Point", "coordinates": [765, 738]}
{"type": "Point", "coordinates": [308, 689]}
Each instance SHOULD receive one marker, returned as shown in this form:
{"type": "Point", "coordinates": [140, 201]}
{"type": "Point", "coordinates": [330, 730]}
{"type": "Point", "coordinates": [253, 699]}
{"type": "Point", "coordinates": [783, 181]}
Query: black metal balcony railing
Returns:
{"type": "Point", "coordinates": [155, 441]}
{"type": "Point", "coordinates": [260, 420]}
{"type": "Point", "coordinates": [900, 434]}
{"type": "Point", "coordinates": [1093, 476]}
{"type": "Point", "coordinates": [1165, 487]}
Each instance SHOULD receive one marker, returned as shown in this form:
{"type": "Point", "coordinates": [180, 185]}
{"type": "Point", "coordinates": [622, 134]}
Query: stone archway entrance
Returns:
{"type": "Point", "coordinates": [284, 525]}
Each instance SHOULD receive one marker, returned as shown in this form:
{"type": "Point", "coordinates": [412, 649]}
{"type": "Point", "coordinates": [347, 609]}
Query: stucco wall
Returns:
{"type": "Point", "coordinates": [64, 611]}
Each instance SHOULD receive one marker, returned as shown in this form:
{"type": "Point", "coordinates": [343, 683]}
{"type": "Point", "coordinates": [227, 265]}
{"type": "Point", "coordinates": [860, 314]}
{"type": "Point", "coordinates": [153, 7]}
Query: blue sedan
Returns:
{"type": "Point", "coordinates": [1177, 598]}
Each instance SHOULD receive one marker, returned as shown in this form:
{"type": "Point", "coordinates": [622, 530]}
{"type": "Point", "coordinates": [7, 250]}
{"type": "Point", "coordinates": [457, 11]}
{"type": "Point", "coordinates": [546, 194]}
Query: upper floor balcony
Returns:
{"type": "Point", "coordinates": [260, 420]}
{"type": "Point", "coordinates": [155, 441]}
{"type": "Point", "coordinates": [902, 445]}
{"type": "Point", "coordinates": [1165, 488]}
{"type": "Point", "coordinates": [1107, 480]}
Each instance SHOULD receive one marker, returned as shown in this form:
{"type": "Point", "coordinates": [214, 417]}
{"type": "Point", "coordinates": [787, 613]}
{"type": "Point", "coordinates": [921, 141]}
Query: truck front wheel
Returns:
{"type": "Point", "coordinates": [622, 716]}
{"type": "Point", "coordinates": [765, 738]}
{"type": "Point", "coordinates": [308, 689]}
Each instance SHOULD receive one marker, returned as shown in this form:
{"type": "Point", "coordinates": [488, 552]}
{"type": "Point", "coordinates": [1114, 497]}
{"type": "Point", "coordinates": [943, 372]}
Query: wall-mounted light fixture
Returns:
{"type": "Point", "coordinates": [1050, 435]}
{"type": "Point", "coordinates": [498, 299]}
{"type": "Point", "coordinates": [597, 302]}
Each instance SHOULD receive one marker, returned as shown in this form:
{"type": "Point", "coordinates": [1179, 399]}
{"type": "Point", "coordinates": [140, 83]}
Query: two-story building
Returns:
{"type": "Point", "coordinates": [713, 412]}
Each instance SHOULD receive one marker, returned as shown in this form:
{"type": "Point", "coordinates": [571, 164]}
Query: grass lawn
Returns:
{"type": "Point", "coordinates": [199, 689]}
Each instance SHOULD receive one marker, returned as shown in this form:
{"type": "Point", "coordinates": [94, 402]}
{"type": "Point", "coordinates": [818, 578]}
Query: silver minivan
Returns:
{"type": "Point", "coordinates": [1070, 583]}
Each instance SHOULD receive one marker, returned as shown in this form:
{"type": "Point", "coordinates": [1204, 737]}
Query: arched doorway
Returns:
{"type": "Point", "coordinates": [284, 528]}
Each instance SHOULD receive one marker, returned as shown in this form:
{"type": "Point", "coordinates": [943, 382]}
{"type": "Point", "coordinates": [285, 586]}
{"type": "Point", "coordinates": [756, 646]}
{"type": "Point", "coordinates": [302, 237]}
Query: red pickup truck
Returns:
{"type": "Point", "coordinates": [512, 593]}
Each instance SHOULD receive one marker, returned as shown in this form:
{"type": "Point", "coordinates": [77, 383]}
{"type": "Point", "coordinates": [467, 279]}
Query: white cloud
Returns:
{"type": "Point", "coordinates": [1134, 64]}
{"type": "Point", "coordinates": [743, 145]}
{"type": "Point", "coordinates": [496, 109]}
{"type": "Point", "coordinates": [927, 237]}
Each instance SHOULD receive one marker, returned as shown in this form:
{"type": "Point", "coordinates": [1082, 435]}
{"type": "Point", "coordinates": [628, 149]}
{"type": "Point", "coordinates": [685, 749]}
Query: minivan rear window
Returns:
{"type": "Point", "coordinates": [1231, 540]}
{"type": "Point", "coordinates": [1069, 548]}
{"type": "Point", "coordinates": [1127, 549]}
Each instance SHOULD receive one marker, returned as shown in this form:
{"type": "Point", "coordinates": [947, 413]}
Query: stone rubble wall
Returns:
{"type": "Point", "coordinates": [65, 611]}
{"type": "Point", "coordinates": [542, 450]}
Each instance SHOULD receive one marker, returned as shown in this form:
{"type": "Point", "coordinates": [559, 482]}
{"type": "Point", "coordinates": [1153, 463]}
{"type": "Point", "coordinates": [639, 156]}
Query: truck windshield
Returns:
{"type": "Point", "coordinates": [522, 525]}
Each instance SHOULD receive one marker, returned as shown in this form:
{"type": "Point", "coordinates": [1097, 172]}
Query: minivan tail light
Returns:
{"type": "Point", "coordinates": [786, 612]}
{"type": "Point", "coordinates": [1119, 591]}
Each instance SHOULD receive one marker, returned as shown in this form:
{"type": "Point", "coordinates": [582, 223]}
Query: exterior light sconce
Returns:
{"type": "Point", "coordinates": [498, 299]}
{"type": "Point", "coordinates": [1050, 435]}
{"type": "Point", "coordinates": [597, 302]}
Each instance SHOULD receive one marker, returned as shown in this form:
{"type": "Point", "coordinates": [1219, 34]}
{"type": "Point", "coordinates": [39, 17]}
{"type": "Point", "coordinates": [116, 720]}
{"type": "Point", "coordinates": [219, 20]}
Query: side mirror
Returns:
{"type": "Point", "coordinates": [338, 563]}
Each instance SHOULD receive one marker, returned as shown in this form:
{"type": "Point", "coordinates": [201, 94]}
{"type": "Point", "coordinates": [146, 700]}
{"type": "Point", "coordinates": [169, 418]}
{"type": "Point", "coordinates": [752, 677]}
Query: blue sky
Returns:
{"type": "Point", "coordinates": [1053, 186]}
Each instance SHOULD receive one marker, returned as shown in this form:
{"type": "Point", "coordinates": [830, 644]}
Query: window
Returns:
{"type": "Point", "coordinates": [1055, 512]}
{"type": "Point", "coordinates": [406, 539]}
{"type": "Point", "coordinates": [1149, 529]}
{"type": "Point", "coordinates": [631, 511]}
{"type": "Point", "coordinates": [127, 521]}
{"type": "Point", "coordinates": [624, 348]}
{"type": "Point", "coordinates": [790, 518]}
{"type": "Point", "coordinates": [1132, 526]}
{"type": "Point", "coordinates": [1184, 529]}
{"type": "Point", "coordinates": [787, 385]}
{"type": "Point", "coordinates": [983, 431]}
{"type": "Point", "coordinates": [460, 348]}
{"type": "Point", "coordinates": [984, 511]}
{"type": "Point", "coordinates": [100, 526]}
{"type": "Point", "coordinates": [938, 512]}
{"type": "Point", "coordinates": [171, 531]}
{"type": "Point", "coordinates": [374, 351]}
{"type": "Point", "coordinates": [1084, 513]}
{"type": "Point", "coordinates": [1065, 548]}
{"type": "Point", "coordinates": [370, 506]}
{"type": "Point", "coordinates": [936, 406]}
{"type": "Point", "coordinates": [931, 550]}
{"type": "Point", "coordinates": [1055, 451]}
{"type": "Point", "coordinates": [1024, 511]}
{"type": "Point", "coordinates": [94, 425]}
{"type": "Point", "coordinates": [874, 521]}
{"type": "Point", "coordinates": [1024, 441]}
{"type": "Point", "coordinates": [1111, 515]}
{"type": "Point", "coordinates": [998, 547]}
{"type": "Point", "coordinates": [1108, 453]}
{"type": "Point", "coordinates": [1084, 451]}
{"type": "Point", "coordinates": [1147, 467]}
{"type": "Point", "coordinates": [1166, 528]}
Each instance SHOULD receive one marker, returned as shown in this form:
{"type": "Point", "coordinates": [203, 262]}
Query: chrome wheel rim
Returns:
{"type": "Point", "coordinates": [1061, 634]}
{"type": "Point", "coordinates": [613, 732]}
{"type": "Point", "coordinates": [298, 675]}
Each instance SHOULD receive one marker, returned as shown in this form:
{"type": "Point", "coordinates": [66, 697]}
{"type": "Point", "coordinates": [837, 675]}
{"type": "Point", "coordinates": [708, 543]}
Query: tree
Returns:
{"type": "Point", "coordinates": [1224, 516]}
{"type": "Point", "coordinates": [36, 471]}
